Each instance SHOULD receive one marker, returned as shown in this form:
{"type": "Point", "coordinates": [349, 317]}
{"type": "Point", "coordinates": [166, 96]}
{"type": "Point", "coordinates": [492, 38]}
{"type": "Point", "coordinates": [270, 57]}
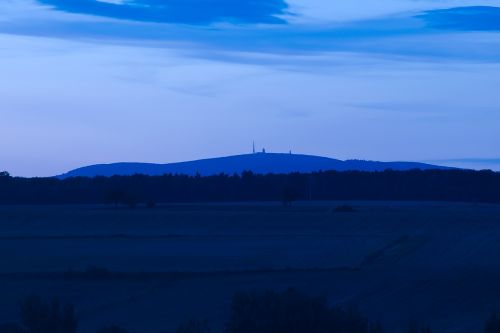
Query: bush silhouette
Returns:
{"type": "Point", "coordinates": [376, 328]}
{"type": "Point", "coordinates": [38, 316]}
{"type": "Point", "coordinates": [492, 324]}
{"type": "Point", "coordinates": [11, 328]}
{"type": "Point", "coordinates": [288, 196]}
{"type": "Point", "coordinates": [117, 197]}
{"type": "Point", "coordinates": [194, 326]}
{"type": "Point", "coordinates": [94, 272]}
{"type": "Point", "coordinates": [112, 329]}
{"type": "Point", "coordinates": [415, 327]}
{"type": "Point", "coordinates": [345, 209]}
{"type": "Point", "coordinates": [292, 312]}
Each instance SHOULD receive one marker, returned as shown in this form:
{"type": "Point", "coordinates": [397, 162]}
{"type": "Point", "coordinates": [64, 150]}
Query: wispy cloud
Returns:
{"type": "Point", "coordinates": [179, 11]}
{"type": "Point", "coordinates": [410, 35]}
{"type": "Point", "coordinates": [475, 18]}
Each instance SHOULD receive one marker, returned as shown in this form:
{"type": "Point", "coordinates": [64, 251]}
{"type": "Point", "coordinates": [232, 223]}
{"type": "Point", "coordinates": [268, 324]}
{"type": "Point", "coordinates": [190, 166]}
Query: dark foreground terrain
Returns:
{"type": "Point", "coordinates": [148, 270]}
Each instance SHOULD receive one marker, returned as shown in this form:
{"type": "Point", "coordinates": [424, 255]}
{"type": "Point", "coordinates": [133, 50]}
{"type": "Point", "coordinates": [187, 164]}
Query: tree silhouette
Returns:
{"type": "Point", "coordinates": [112, 329]}
{"type": "Point", "coordinates": [492, 324]}
{"type": "Point", "coordinates": [121, 196]}
{"type": "Point", "coordinates": [293, 312]}
{"type": "Point", "coordinates": [38, 316]}
{"type": "Point", "coordinates": [414, 185]}
{"type": "Point", "coordinates": [289, 196]}
{"type": "Point", "coordinates": [11, 328]}
{"type": "Point", "coordinates": [194, 326]}
{"type": "Point", "coordinates": [376, 328]}
{"type": "Point", "coordinates": [415, 327]}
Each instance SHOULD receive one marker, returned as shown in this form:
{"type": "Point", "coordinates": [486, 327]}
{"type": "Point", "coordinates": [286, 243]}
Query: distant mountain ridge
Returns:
{"type": "Point", "coordinates": [261, 163]}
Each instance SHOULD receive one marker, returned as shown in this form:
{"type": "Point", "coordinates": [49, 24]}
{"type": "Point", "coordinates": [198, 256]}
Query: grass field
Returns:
{"type": "Point", "coordinates": [150, 269]}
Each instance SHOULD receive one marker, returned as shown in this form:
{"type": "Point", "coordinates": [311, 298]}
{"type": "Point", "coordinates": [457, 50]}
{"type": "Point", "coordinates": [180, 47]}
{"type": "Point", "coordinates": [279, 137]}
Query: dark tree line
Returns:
{"type": "Point", "coordinates": [431, 185]}
{"type": "Point", "coordinates": [268, 312]}
{"type": "Point", "coordinates": [290, 311]}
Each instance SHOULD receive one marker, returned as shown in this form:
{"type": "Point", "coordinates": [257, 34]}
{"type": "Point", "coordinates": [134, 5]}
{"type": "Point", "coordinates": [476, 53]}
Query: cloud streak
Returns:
{"type": "Point", "coordinates": [431, 36]}
{"type": "Point", "coordinates": [196, 12]}
{"type": "Point", "coordinates": [476, 18]}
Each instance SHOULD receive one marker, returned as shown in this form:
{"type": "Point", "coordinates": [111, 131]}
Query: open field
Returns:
{"type": "Point", "coordinates": [434, 262]}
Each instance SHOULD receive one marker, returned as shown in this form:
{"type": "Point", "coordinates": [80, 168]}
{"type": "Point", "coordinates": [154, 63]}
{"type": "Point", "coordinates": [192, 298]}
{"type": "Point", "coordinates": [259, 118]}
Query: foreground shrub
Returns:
{"type": "Point", "coordinates": [38, 316]}
{"type": "Point", "coordinates": [345, 209]}
{"type": "Point", "coordinates": [112, 329]}
{"type": "Point", "coordinates": [416, 327]}
{"type": "Point", "coordinates": [293, 312]}
{"type": "Point", "coordinates": [194, 326]}
{"type": "Point", "coordinates": [11, 328]}
{"type": "Point", "coordinates": [492, 324]}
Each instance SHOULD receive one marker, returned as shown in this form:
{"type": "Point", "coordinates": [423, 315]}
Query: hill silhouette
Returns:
{"type": "Point", "coordinates": [260, 163]}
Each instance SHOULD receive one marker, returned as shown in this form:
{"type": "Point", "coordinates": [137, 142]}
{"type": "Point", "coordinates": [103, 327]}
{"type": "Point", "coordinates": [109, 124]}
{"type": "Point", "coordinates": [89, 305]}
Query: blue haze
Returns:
{"type": "Point", "coordinates": [86, 82]}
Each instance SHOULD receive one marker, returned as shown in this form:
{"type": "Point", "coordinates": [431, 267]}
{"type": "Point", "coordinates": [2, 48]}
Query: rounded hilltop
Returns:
{"type": "Point", "coordinates": [259, 162]}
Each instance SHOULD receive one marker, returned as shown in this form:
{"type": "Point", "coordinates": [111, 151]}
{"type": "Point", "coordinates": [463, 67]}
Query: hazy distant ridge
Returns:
{"type": "Point", "coordinates": [262, 163]}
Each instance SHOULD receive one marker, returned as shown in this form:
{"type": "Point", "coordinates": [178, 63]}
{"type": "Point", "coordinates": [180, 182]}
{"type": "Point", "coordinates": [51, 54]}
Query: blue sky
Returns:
{"type": "Point", "coordinates": [86, 81]}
